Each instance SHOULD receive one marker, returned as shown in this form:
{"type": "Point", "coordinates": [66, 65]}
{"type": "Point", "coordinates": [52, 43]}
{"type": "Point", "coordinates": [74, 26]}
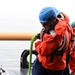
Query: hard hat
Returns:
{"type": "Point", "coordinates": [56, 11]}
{"type": "Point", "coordinates": [46, 14]}
{"type": "Point", "coordinates": [73, 24]}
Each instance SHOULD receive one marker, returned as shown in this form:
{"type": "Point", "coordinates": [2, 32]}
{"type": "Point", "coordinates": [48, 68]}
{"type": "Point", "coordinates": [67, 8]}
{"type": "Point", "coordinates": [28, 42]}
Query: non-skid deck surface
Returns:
{"type": "Point", "coordinates": [16, 72]}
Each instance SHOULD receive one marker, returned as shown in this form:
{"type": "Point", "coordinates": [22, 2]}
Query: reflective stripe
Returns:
{"type": "Point", "coordinates": [63, 43]}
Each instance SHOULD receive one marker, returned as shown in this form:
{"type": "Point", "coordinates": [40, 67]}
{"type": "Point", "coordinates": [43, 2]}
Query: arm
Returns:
{"type": "Point", "coordinates": [50, 43]}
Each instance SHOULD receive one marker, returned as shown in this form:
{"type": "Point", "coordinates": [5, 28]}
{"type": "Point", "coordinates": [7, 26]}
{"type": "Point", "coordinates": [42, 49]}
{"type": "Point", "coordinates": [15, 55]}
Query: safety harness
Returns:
{"type": "Point", "coordinates": [65, 46]}
{"type": "Point", "coordinates": [62, 48]}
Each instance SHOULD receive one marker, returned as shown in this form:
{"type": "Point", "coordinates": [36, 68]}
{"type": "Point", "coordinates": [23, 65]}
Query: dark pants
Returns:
{"type": "Point", "coordinates": [38, 69]}
{"type": "Point", "coordinates": [67, 70]}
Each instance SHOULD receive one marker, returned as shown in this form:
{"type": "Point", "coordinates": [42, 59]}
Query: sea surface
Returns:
{"type": "Point", "coordinates": [10, 53]}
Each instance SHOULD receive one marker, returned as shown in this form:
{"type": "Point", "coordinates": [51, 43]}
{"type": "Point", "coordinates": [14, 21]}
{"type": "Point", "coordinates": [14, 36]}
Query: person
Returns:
{"type": "Point", "coordinates": [69, 70]}
{"type": "Point", "coordinates": [73, 24]}
{"type": "Point", "coordinates": [72, 61]}
{"type": "Point", "coordinates": [51, 44]}
{"type": "Point", "coordinates": [66, 19]}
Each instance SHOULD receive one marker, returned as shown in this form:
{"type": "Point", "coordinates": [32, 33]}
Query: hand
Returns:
{"type": "Point", "coordinates": [37, 37]}
{"type": "Point", "coordinates": [40, 35]}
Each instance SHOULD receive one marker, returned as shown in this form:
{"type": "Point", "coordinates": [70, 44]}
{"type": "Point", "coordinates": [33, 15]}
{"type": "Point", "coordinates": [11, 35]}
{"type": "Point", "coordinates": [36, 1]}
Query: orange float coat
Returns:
{"type": "Point", "coordinates": [50, 43]}
{"type": "Point", "coordinates": [72, 50]}
{"type": "Point", "coordinates": [65, 18]}
{"type": "Point", "coordinates": [72, 61]}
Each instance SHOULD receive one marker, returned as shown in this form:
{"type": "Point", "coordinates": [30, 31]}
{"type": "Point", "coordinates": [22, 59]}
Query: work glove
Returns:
{"type": "Point", "coordinates": [38, 36]}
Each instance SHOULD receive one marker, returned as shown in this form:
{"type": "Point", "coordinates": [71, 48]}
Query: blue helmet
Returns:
{"type": "Point", "coordinates": [46, 13]}
{"type": "Point", "coordinates": [73, 24]}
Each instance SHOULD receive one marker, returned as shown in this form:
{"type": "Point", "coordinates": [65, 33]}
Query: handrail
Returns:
{"type": "Point", "coordinates": [16, 35]}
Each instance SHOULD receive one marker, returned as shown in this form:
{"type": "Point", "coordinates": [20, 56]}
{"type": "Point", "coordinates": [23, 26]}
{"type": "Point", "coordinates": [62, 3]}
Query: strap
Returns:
{"type": "Point", "coordinates": [63, 43]}
{"type": "Point", "coordinates": [64, 46]}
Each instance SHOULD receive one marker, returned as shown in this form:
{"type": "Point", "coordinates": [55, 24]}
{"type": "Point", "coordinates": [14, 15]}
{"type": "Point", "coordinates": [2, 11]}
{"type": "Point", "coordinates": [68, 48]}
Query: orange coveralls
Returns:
{"type": "Point", "coordinates": [49, 44]}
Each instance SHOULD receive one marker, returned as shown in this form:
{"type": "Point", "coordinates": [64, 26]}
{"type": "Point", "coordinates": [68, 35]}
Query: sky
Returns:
{"type": "Point", "coordinates": [22, 15]}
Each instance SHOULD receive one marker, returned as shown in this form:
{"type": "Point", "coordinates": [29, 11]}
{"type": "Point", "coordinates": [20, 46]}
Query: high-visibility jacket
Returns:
{"type": "Point", "coordinates": [66, 19]}
{"type": "Point", "coordinates": [72, 61]}
{"type": "Point", "coordinates": [49, 44]}
{"type": "Point", "coordinates": [71, 49]}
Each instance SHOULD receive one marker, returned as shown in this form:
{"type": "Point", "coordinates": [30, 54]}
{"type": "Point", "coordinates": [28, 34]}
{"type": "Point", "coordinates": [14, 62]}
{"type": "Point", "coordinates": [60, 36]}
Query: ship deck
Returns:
{"type": "Point", "coordinates": [15, 72]}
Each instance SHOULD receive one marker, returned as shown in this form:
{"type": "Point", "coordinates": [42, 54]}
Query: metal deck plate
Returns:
{"type": "Point", "coordinates": [15, 72]}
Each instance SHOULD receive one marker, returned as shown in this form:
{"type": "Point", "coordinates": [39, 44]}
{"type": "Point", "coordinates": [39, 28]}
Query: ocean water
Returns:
{"type": "Point", "coordinates": [10, 53]}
